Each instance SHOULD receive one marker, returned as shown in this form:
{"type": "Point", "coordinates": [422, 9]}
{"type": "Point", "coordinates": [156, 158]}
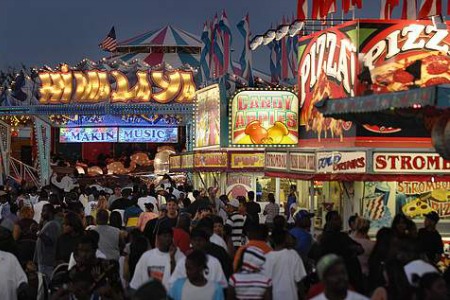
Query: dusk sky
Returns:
{"type": "Point", "coordinates": [48, 32]}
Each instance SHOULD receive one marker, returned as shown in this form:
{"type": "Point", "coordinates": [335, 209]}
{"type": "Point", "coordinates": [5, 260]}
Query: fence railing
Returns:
{"type": "Point", "coordinates": [23, 172]}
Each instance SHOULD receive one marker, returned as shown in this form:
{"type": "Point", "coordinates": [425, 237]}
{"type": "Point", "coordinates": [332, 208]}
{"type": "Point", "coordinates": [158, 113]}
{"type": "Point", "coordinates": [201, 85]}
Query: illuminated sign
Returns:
{"type": "Point", "coordinates": [88, 135]}
{"type": "Point", "coordinates": [175, 162]}
{"type": "Point", "coordinates": [276, 160]}
{"type": "Point", "coordinates": [247, 160]}
{"type": "Point", "coordinates": [187, 161]}
{"type": "Point", "coordinates": [96, 86]}
{"type": "Point", "coordinates": [341, 162]}
{"type": "Point", "coordinates": [148, 135]}
{"type": "Point", "coordinates": [302, 162]}
{"type": "Point", "coordinates": [423, 163]}
{"type": "Point", "coordinates": [264, 118]}
{"type": "Point", "coordinates": [207, 117]}
{"type": "Point", "coordinates": [211, 160]}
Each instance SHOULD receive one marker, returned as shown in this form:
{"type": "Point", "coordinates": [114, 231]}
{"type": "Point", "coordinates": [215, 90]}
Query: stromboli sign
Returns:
{"type": "Point", "coordinates": [423, 163]}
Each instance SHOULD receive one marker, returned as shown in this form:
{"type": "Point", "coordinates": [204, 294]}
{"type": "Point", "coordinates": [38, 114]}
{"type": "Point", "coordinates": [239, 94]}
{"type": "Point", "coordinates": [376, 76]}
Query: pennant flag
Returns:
{"type": "Point", "coordinates": [246, 56]}
{"type": "Point", "coordinates": [317, 9]}
{"type": "Point", "coordinates": [205, 57]}
{"type": "Point", "coordinates": [227, 39]}
{"type": "Point", "coordinates": [328, 7]}
{"type": "Point", "coordinates": [357, 4]}
{"type": "Point", "coordinates": [109, 43]}
{"type": "Point", "coordinates": [387, 6]}
{"type": "Point", "coordinates": [302, 9]}
{"type": "Point", "coordinates": [217, 48]}
{"type": "Point", "coordinates": [346, 4]}
{"type": "Point", "coordinates": [409, 10]}
{"type": "Point", "coordinates": [430, 8]}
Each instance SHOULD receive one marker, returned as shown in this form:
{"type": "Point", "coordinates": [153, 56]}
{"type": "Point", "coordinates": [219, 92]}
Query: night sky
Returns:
{"type": "Point", "coordinates": [48, 32]}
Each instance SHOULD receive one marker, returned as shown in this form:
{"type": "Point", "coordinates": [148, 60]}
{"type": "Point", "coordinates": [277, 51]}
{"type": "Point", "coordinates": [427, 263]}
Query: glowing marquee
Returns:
{"type": "Point", "coordinates": [96, 86]}
{"type": "Point", "coordinates": [264, 117]}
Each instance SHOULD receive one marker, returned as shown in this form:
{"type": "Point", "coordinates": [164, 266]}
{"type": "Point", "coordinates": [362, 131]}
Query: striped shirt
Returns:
{"type": "Point", "coordinates": [250, 285]}
{"type": "Point", "coordinates": [236, 221]}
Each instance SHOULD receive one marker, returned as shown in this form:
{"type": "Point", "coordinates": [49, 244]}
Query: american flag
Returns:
{"type": "Point", "coordinates": [109, 43]}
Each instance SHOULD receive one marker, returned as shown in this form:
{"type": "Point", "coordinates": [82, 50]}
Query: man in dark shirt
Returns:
{"type": "Point", "coordinates": [430, 240]}
{"type": "Point", "coordinates": [199, 202]}
{"type": "Point", "coordinates": [253, 208]}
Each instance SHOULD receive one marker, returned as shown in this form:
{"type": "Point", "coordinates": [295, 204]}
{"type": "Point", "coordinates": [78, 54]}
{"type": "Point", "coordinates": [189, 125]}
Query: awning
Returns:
{"type": "Point", "coordinates": [399, 109]}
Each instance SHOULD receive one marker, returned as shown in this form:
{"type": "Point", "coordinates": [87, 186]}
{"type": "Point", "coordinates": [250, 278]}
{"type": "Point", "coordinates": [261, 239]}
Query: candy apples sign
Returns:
{"type": "Point", "coordinates": [264, 118]}
{"type": "Point", "coordinates": [327, 69]}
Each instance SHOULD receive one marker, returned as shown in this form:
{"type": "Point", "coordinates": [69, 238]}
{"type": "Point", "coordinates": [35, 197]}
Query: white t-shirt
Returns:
{"type": "Point", "coordinates": [286, 268]}
{"type": "Point", "coordinates": [216, 239]}
{"type": "Point", "coordinates": [192, 292]}
{"type": "Point", "coordinates": [154, 264]}
{"type": "Point", "coordinates": [147, 199]}
{"type": "Point", "coordinates": [73, 262]}
{"type": "Point", "coordinates": [215, 272]}
{"type": "Point", "coordinates": [90, 206]}
{"type": "Point", "coordinates": [11, 276]}
{"type": "Point", "coordinates": [350, 296]}
{"type": "Point", "coordinates": [38, 210]}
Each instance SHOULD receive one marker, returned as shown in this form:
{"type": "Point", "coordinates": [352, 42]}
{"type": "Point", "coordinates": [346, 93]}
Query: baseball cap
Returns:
{"type": "Point", "coordinates": [303, 213]}
{"type": "Point", "coordinates": [433, 216]}
{"type": "Point", "coordinates": [234, 203]}
{"type": "Point", "coordinates": [418, 268]}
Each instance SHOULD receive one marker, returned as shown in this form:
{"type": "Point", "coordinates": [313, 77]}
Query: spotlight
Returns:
{"type": "Point", "coordinates": [295, 28]}
{"type": "Point", "coordinates": [269, 36]}
{"type": "Point", "coordinates": [256, 42]}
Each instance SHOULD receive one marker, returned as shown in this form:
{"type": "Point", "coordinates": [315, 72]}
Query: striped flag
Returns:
{"type": "Point", "coordinates": [409, 10]}
{"type": "Point", "coordinates": [246, 56]}
{"type": "Point", "coordinates": [275, 61]}
{"type": "Point", "coordinates": [109, 43]}
{"type": "Point", "coordinates": [205, 57]}
{"type": "Point", "coordinates": [302, 9]}
{"type": "Point", "coordinates": [430, 8]}
{"type": "Point", "coordinates": [217, 48]}
{"type": "Point", "coordinates": [284, 56]}
{"type": "Point", "coordinates": [227, 39]}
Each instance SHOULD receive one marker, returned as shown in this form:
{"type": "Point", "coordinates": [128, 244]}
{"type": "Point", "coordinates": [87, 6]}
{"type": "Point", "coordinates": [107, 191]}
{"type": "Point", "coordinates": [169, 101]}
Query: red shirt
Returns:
{"type": "Point", "coordinates": [181, 239]}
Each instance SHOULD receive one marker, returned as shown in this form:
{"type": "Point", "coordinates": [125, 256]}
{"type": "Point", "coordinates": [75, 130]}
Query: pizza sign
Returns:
{"type": "Point", "coordinates": [406, 55]}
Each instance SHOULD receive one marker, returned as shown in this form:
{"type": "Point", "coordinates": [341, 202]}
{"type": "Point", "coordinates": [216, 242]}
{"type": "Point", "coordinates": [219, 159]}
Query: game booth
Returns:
{"type": "Point", "coordinates": [109, 121]}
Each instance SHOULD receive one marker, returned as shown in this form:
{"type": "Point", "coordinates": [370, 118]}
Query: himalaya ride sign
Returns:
{"type": "Point", "coordinates": [67, 86]}
{"type": "Point", "coordinates": [365, 57]}
{"type": "Point", "coordinates": [264, 118]}
{"type": "Point", "coordinates": [118, 134]}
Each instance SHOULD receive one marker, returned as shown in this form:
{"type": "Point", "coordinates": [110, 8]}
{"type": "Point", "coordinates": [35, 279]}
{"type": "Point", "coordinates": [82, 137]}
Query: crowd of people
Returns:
{"type": "Point", "coordinates": [167, 241]}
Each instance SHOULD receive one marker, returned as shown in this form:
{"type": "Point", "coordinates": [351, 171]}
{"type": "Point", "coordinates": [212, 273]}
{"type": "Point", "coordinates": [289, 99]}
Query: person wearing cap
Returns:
{"type": "Point", "coordinates": [430, 241]}
{"type": "Point", "coordinates": [160, 262]}
{"type": "Point", "coordinates": [236, 221]}
{"type": "Point", "coordinates": [301, 233]}
{"type": "Point", "coordinates": [333, 274]}
{"type": "Point", "coordinates": [249, 282]}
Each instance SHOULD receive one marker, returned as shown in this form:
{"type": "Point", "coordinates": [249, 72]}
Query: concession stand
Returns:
{"type": "Point", "coordinates": [374, 131]}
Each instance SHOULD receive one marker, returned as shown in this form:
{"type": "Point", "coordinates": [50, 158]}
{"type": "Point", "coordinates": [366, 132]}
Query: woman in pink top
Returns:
{"type": "Point", "coordinates": [146, 216]}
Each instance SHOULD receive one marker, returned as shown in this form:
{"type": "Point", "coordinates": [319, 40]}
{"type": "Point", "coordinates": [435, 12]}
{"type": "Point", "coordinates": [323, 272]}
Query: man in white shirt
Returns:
{"type": "Point", "coordinates": [333, 274]}
{"type": "Point", "coordinates": [158, 263]}
{"type": "Point", "coordinates": [215, 272]}
{"type": "Point", "coordinates": [66, 184]}
{"type": "Point", "coordinates": [43, 197]}
{"type": "Point", "coordinates": [284, 266]}
{"type": "Point", "coordinates": [13, 280]}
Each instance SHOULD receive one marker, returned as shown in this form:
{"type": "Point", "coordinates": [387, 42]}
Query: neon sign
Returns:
{"type": "Point", "coordinates": [100, 86]}
{"type": "Point", "coordinates": [88, 135]}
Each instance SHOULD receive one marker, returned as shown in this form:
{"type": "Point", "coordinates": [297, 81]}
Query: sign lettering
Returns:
{"type": "Point", "coordinates": [247, 160]}
{"type": "Point", "coordinates": [424, 163]}
{"type": "Point", "coordinates": [276, 160]}
{"type": "Point", "coordinates": [341, 162]}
